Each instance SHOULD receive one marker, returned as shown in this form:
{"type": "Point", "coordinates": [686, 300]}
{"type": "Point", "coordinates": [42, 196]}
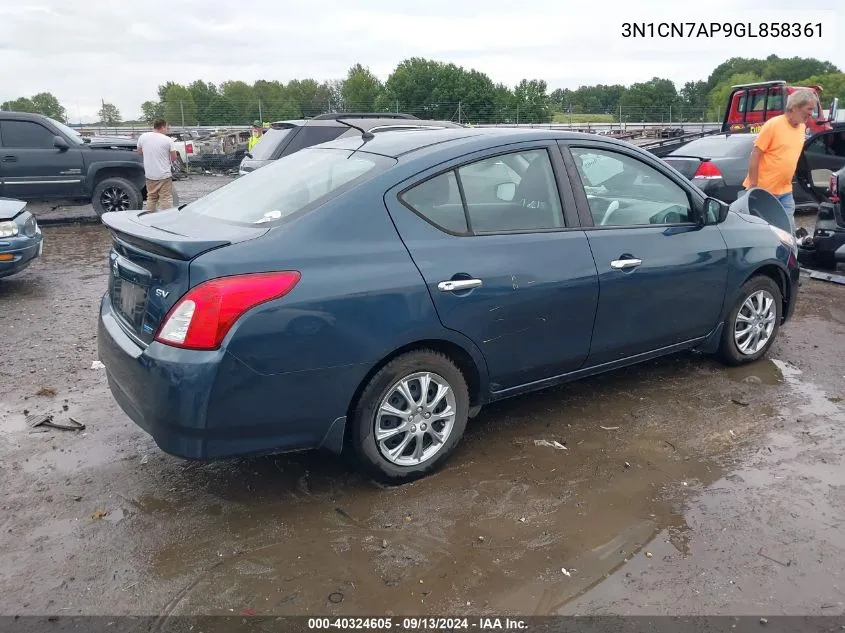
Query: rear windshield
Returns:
{"type": "Point", "coordinates": [270, 141]}
{"type": "Point", "coordinates": [290, 186]}
{"type": "Point", "coordinates": [719, 146]}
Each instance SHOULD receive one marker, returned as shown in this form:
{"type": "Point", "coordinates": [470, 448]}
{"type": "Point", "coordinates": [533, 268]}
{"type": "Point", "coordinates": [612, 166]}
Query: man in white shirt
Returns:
{"type": "Point", "coordinates": [159, 151]}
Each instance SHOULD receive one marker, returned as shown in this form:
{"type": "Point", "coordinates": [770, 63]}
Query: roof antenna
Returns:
{"type": "Point", "coordinates": [364, 134]}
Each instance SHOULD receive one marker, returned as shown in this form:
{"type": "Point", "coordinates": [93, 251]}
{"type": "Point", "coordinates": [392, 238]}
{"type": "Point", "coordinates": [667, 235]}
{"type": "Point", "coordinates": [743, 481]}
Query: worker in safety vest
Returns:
{"type": "Point", "coordinates": [257, 133]}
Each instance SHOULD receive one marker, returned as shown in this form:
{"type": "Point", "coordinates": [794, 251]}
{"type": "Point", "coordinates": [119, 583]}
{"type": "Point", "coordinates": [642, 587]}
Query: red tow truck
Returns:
{"type": "Point", "coordinates": [751, 105]}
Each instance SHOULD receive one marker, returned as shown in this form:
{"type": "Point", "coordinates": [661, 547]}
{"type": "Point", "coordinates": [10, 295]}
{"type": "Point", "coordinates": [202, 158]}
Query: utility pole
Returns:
{"type": "Point", "coordinates": [261, 114]}
{"type": "Point", "coordinates": [182, 109]}
{"type": "Point", "coordinates": [459, 112]}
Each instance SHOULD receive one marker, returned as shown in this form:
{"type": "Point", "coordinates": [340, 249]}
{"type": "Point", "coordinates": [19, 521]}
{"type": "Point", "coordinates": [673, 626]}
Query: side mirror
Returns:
{"type": "Point", "coordinates": [714, 211]}
{"type": "Point", "coordinates": [60, 143]}
{"type": "Point", "coordinates": [506, 191]}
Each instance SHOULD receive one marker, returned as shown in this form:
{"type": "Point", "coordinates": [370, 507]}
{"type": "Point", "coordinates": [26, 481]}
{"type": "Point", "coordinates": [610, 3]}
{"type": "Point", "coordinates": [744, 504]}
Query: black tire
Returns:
{"type": "Point", "coordinates": [115, 194]}
{"type": "Point", "coordinates": [367, 450]}
{"type": "Point", "coordinates": [729, 351]}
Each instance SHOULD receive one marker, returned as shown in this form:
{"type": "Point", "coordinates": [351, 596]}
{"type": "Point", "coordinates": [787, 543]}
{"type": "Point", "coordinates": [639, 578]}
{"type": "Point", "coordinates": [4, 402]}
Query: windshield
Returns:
{"type": "Point", "coordinates": [269, 143]}
{"type": "Point", "coordinates": [69, 132]}
{"type": "Point", "coordinates": [298, 182]}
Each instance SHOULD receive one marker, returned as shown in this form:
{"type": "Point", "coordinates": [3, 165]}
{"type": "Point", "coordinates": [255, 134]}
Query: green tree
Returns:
{"type": "Point", "coordinates": [221, 111]}
{"type": "Point", "coordinates": [179, 105]}
{"type": "Point", "coordinates": [202, 94]}
{"type": "Point", "coordinates": [361, 90]}
{"type": "Point", "coordinates": [151, 110]}
{"type": "Point", "coordinates": [833, 85]}
{"type": "Point", "coordinates": [531, 101]}
{"type": "Point", "coordinates": [652, 100]}
{"type": "Point", "coordinates": [109, 114]}
{"type": "Point", "coordinates": [19, 105]}
{"type": "Point", "coordinates": [242, 96]}
{"type": "Point", "coordinates": [47, 104]}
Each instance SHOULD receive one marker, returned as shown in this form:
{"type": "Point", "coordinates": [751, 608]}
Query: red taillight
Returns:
{"type": "Point", "coordinates": [834, 188]}
{"type": "Point", "coordinates": [189, 148]}
{"type": "Point", "coordinates": [707, 170]}
{"type": "Point", "coordinates": [202, 318]}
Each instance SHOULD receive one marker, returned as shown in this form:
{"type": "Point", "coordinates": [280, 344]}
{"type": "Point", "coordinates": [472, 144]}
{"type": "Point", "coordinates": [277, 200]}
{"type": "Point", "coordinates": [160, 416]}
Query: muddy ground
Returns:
{"type": "Point", "coordinates": [684, 488]}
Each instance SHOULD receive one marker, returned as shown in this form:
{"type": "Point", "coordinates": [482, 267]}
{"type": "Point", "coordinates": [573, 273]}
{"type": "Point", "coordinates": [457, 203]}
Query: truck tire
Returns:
{"type": "Point", "coordinates": [115, 194]}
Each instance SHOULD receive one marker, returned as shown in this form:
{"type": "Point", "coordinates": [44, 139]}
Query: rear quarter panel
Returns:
{"type": "Point", "coordinates": [360, 298]}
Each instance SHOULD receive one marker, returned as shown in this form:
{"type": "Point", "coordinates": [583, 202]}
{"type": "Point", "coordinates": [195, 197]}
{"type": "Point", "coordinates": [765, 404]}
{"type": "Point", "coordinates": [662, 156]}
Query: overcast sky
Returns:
{"type": "Point", "coordinates": [121, 50]}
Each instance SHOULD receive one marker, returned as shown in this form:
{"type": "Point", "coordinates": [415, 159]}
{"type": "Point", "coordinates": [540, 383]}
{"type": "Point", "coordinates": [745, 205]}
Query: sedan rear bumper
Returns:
{"type": "Point", "coordinates": [209, 405]}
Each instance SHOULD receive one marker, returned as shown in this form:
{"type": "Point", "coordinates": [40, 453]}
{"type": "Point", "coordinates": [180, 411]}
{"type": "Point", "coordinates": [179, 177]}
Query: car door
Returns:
{"type": "Point", "coordinates": [514, 275]}
{"type": "Point", "coordinates": [33, 167]}
{"type": "Point", "coordinates": [662, 277]}
{"type": "Point", "coordinates": [824, 154]}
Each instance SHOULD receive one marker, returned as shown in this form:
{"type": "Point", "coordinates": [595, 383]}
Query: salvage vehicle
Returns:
{"type": "Point", "coordinates": [368, 295]}
{"type": "Point", "coordinates": [825, 248]}
{"type": "Point", "coordinates": [286, 137]}
{"type": "Point", "coordinates": [42, 159]}
{"type": "Point", "coordinates": [21, 241]}
{"type": "Point", "coordinates": [718, 165]}
{"type": "Point", "coordinates": [751, 105]}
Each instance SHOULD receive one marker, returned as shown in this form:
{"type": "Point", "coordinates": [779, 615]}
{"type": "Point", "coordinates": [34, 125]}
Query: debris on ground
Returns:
{"type": "Point", "coordinates": [99, 514]}
{"type": "Point", "coordinates": [609, 428]}
{"type": "Point", "coordinates": [46, 419]}
{"type": "Point", "coordinates": [97, 365]}
{"type": "Point", "coordinates": [145, 459]}
{"type": "Point", "coordinates": [836, 279]}
{"type": "Point", "coordinates": [46, 391]}
{"type": "Point", "coordinates": [336, 597]}
{"type": "Point", "coordinates": [565, 572]}
{"type": "Point", "coordinates": [551, 444]}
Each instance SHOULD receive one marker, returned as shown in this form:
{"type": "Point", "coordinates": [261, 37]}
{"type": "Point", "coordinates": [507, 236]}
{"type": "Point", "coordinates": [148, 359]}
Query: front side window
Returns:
{"type": "Point", "coordinates": [25, 135]}
{"type": "Point", "coordinates": [509, 192]}
{"type": "Point", "coordinates": [623, 191]}
{"type": "Point", "coordinates": [292, 184]}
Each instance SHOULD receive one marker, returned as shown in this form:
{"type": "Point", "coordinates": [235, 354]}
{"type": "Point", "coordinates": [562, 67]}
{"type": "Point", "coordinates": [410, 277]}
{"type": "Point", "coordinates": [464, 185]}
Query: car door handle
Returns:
{"type": "Point", "coordinates": [623, 264]}
{"type": "Point", "coordinates": [458, 284]}
{"type": "Point", "coordinates": [10, 159]}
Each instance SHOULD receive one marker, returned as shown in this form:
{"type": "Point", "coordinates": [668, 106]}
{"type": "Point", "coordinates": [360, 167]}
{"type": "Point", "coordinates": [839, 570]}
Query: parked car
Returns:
{"type": "Point", "coordinates": [42, 159]}
{"type": "Point", "coordinates": [358, 295]}
{"type": "Point", "coordinates": [286, 137]}
{"type": "Point", "coordinates": [21, 241]}
{"type": "Point", "coordinates": [825, 248]}
{"type": "Point", "coordinates": [718, 164]}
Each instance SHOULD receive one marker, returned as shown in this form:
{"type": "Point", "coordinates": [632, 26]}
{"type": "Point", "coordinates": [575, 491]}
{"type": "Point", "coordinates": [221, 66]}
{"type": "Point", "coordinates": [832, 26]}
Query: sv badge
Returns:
{"type": "Point", "coordinates": [160, 292]}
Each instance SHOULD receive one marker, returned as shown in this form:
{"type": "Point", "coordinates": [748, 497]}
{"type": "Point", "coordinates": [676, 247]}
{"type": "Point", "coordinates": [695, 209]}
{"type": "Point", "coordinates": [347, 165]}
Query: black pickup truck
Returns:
{"type": "Point", "coordinates": [42, 159]}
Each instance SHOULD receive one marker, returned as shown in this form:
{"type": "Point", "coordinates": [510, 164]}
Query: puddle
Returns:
{"type": "Point", "coordinates": [765, 371]}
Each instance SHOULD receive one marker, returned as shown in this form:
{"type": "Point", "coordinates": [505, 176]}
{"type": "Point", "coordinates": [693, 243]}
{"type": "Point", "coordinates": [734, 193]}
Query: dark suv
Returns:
{"type": "Point", "coordinates": [287, 137]}
{"type": "Point", "coordinates": [43, 159]}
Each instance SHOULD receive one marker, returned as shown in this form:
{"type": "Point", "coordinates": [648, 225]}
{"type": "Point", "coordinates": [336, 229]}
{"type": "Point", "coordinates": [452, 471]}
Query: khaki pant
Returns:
{"type": "Point", "coordinates": [159, 194]}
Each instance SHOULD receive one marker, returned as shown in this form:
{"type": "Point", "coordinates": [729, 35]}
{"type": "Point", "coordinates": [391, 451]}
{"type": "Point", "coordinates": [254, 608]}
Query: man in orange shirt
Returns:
{"type": "Point", "coordinates": [778, 148]}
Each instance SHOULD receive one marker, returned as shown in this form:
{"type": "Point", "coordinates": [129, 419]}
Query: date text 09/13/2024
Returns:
{"type": "Point", "coordinates": [670, 30]}
{"type": "Point", "coordinates": [417, 624]}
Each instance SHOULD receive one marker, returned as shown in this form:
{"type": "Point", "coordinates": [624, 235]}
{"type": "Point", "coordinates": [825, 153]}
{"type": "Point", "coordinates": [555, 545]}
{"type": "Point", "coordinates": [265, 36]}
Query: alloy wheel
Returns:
{"type": "Point", "coordinates": [415, 418]}
{"type": "Point", "coordinates": [755, 322]}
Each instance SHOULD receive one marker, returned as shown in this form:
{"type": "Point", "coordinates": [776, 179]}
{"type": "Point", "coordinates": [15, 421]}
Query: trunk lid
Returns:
{"type": "Point", "coordinates": [687, 165]}
{"type": "Point", "coordinates": [149, 262]}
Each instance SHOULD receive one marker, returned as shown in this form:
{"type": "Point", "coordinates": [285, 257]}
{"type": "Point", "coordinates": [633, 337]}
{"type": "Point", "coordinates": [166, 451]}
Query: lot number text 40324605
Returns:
{"type": "Point", "coordinates": [418, 624]}
{"type": "Point", "coordinates": [671, 30]}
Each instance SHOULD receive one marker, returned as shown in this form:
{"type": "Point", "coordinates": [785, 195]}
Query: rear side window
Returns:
{"type": "Point", "coordinates": [269, 143]}
{"type": "Point", "coordinates": [290, 186]}
{"type": "Point", "coordinates": [505, 193]}
{"type": "Point", "coordinates": [720, 146]}
{"type": "Point", "coordinates": [25, 135]}
{"type": "Point", "coordinates": [314, 135]}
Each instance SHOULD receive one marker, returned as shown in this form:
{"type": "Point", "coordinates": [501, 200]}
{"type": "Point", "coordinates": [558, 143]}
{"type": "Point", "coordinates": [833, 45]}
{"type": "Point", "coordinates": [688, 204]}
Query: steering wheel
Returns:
{"type": "Point", "coordinates": [611, 208]}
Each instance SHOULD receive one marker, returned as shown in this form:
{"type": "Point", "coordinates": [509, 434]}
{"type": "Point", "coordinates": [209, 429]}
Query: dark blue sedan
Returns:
{"type": "Point", "coordinates": [21, 241]}
{"type": "Point", "coordinates": [373, 292]}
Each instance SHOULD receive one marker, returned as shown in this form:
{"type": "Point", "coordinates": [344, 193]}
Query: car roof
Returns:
{"type": "Point", "coordinates": [367, 123]}
{"type": "Point", "coordinates": [26, 116]}
{"type": "Point", "coordinates": [395, 144]}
